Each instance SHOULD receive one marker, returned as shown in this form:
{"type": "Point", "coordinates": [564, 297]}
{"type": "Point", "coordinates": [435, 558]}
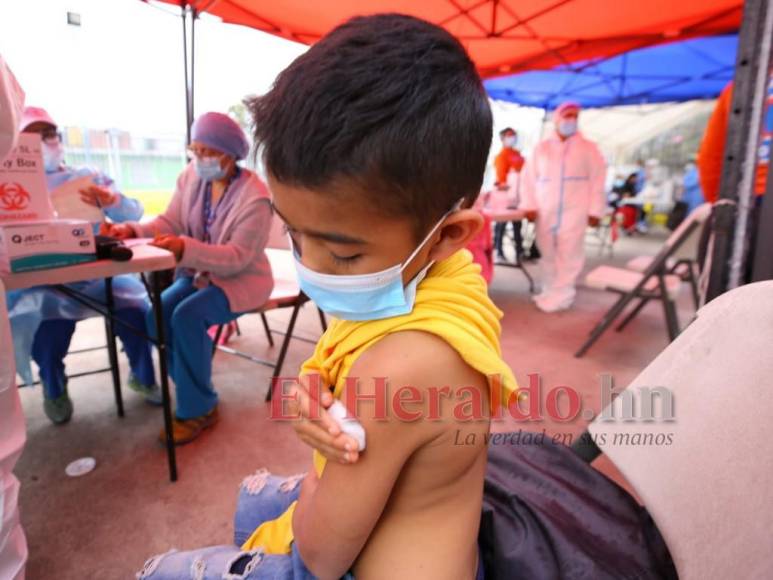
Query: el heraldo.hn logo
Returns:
{"type": "Point", "coordinates": [13, 197]}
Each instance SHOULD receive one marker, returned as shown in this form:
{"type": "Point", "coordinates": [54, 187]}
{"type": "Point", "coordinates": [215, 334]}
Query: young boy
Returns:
{"type": "Point", "coordinates": [375, 143]}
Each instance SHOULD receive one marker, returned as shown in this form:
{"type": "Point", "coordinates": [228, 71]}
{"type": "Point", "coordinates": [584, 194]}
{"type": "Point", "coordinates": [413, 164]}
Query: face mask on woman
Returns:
{"type": "Point", "coordinates": [209, 168]}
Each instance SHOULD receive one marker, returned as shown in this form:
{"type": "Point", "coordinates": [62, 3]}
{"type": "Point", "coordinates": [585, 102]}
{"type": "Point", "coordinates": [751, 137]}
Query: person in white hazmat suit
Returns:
{"type": "Point", "coordinates": [563, 191]}
{"type": "Point", "coordinates": [13, 545]}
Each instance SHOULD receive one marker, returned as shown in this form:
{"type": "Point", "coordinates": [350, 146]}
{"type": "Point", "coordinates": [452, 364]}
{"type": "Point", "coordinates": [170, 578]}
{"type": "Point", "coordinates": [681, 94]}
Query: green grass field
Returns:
{"type": "Point", "coordinates": [154, 201]}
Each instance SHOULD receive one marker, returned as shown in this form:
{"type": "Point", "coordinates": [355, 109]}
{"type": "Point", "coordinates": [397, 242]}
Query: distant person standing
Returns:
{"type": "Point", "coordinates": [711, 156]}
{"type": "Point", "coordinates": [692, 194]}
{"type": "Point", "coordinates": [641, 177]}
{"type": "Point", "coordinates": [563, 190]}
{"type": "Point", "coordinates": [712, 150]}
{"type": "Point", "coordinates": [508, 164]}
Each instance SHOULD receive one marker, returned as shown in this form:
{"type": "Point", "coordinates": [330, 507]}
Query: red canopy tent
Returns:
{"type": "Point", "coordinates": [509, 36]}
{"type": "Point", "coordinates": [502, 36]}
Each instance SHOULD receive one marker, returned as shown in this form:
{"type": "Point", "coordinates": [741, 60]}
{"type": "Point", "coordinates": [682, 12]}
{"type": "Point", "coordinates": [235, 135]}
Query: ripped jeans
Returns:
{"type": "Point", "coordinates": [262, 497]}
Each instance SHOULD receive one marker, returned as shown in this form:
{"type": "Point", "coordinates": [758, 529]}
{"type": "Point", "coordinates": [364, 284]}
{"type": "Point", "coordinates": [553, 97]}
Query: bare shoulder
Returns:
{"type": "Point", "coordinates": [416, 375]}
{"type": "Point", "coordinates": [416, 358]}
{"type": "Point", "coordinates": [438, 458]}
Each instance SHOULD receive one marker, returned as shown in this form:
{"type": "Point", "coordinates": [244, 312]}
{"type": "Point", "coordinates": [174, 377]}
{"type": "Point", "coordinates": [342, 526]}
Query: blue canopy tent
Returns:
{"type": "Point", "coordinates": [676, 72]}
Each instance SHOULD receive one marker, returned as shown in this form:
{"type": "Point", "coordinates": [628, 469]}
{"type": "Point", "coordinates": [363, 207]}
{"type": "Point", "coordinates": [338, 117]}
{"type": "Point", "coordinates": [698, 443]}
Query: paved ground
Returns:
{"type": "Point", "coordinates": [104, 525]}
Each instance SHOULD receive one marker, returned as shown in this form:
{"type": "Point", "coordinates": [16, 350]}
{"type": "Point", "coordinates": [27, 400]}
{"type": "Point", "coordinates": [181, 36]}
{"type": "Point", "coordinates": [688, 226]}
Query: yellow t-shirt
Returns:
{"type": "Point", "coordinates": [452, 303]}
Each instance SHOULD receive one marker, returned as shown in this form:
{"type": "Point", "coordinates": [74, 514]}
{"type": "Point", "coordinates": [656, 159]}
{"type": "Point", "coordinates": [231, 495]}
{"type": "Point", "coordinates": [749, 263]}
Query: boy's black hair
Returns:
{"type": "Point", "coordinates": [389, 104]}
{"type": "Point", "coordinates": [506, 130]}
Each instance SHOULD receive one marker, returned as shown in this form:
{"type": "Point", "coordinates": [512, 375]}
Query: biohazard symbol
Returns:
{"type": "Point", "coordinates": [13, 197]}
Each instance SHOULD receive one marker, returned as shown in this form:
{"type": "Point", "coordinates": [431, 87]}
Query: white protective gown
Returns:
{"type": "Point", "coordinates": [11, 107]}
{"type": "Point", "coordinates": [13, 545]}
{"type": "Point", "coordinates": [564, 182]}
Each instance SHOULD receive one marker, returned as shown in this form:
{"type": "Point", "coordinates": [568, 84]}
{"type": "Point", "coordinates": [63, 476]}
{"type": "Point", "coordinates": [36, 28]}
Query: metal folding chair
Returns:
{"type": "Point", "coordinates": [657, 282]}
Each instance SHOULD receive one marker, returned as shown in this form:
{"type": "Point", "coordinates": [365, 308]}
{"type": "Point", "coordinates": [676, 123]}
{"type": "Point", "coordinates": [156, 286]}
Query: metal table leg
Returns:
{"type": "Point", "coordinates": [162, 360]}
{"type": "Point", "coordinates": [525, 272]}
{"type": "Point", "coordinates": [111, 347]}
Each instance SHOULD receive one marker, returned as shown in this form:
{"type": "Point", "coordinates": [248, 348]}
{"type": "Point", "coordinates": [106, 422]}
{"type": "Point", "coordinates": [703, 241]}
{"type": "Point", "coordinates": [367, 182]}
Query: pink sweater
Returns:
{"type": "Point", "coordinates": [236, 260]}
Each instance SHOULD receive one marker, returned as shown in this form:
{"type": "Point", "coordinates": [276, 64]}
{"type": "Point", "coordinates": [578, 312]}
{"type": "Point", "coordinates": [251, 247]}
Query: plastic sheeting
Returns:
{"type": "Point", "coordinates": [619, 130]}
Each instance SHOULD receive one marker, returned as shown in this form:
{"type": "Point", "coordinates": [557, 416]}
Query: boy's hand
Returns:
{"type": "Point", "coordinates": [318, 429]}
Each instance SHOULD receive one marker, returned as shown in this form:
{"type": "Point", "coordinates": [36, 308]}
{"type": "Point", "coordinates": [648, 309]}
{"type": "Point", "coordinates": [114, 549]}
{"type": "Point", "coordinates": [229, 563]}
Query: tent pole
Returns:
{"type": "Point", "coordinates": [731, 220]}
{"type": "Point", "coordinates": [748, 216]}
{"type": "Point", "coordinates": [187, 86]}
{"type": "Point", "coordinates": [194, 16]}
{"type": "Point", "coordinates": [543, 123]}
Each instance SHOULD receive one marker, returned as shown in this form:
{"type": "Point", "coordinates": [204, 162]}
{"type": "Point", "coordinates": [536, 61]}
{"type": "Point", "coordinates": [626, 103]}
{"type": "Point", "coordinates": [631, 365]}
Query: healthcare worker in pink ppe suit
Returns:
{"type": "Point", "coordinates": [563, 190]}
{"type": "Point", "coordinates": [13, 545]}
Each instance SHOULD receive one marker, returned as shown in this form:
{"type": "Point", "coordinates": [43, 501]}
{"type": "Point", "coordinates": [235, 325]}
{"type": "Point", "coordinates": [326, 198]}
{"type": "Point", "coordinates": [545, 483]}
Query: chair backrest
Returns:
{"type": "Point", "coordinates": [682, 243]}
{"type": "Point", "coordinates": [277, 236]}
{"type": "Point", "coordinates": [282, 268]}
{"type": "Point", "coordinates": [706, 476]}
{"type": "Point", "coordinates": [685, 238]}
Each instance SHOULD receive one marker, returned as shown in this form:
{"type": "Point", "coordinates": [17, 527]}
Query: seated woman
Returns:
{"type": "Point", "coordinates": [217, 226]}
{"type": "Point", "coordinates": [43, 320]}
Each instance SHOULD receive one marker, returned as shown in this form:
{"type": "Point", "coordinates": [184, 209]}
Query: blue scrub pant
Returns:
{"type": "Point", "coordinates": [52, 341]}
{"type": "Point", "coordinates": [188, 313]}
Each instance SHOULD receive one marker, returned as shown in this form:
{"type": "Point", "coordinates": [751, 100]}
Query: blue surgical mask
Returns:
{"type": "Point", "coordinates": [208, 168]}
{"type": "Point", "coordinates": [365, 296]}
{"type": "Point", "coordinates": [53, 156]}
{"type": "Point", "coordinates": [567, 127]}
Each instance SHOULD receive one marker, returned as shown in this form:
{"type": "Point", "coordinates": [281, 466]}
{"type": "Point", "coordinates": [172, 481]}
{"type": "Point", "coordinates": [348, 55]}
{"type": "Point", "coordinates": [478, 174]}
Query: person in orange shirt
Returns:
{"type": "Point", "coordinates": [712, 150]}
{"type": "Point", "coordinates": [509, 158]}
{"type": "Point", "coordinates": [711, 155]}
{"type": "Point", "coordinates": [508, 164]}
